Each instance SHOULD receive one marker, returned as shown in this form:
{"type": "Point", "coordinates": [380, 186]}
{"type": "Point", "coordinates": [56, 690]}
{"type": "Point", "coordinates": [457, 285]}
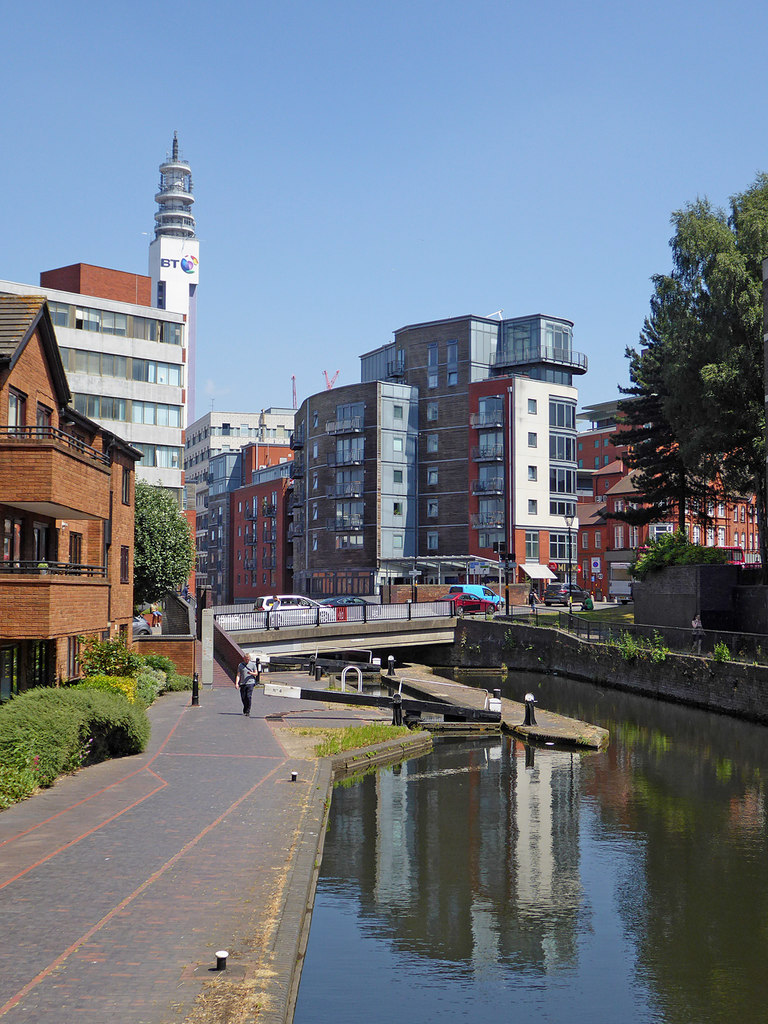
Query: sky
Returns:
{"type": "Point", "coordinates": [358, 167]}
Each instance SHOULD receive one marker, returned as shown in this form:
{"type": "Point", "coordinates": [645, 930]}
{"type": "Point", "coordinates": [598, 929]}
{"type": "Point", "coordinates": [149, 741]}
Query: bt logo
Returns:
{"type": "Point", "coordinates": [187, 263]}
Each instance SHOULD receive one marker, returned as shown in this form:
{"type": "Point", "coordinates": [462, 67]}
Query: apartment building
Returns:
{"type": "Point", "coordinates": [262, 554]}
{"type": "Point", "coordinates": [66, 511]}
{"type": "Point", "coordinates": [482, 414]}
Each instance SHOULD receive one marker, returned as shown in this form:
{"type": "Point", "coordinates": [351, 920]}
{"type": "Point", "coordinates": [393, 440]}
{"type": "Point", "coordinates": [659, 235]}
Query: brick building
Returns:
{"type": "Point", "coordinates": [66, 511]}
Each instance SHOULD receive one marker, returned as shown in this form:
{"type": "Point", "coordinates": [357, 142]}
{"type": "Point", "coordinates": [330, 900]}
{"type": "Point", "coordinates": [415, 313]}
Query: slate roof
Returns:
{"type": "Point", "coordinates": [20, 315]}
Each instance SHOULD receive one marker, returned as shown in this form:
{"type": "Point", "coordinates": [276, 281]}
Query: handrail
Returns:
{"type": "Point", "coordinates": [36, 567]}
{"type": "Point", "coordinates": [54, 434]}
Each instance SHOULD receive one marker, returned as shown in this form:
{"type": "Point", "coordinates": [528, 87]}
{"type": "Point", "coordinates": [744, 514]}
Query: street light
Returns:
{"type": "Point", "coordinates": [569, 523]}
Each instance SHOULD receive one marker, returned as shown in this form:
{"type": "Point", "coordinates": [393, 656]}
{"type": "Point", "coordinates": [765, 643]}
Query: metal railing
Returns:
{"type": "Point", "coordinates": [43, 568]}
{"type": "Point", "coordinates": [349, 425]}
{"type": "Point", "coordinates": [233, 617]}
{"type": "Point", "coordinates": [488, 453]}
{"type": "Point", "coordinates": [59, 437]}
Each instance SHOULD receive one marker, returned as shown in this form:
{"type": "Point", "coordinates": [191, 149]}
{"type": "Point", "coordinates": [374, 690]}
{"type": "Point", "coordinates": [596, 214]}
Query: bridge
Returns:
{"type": "Point", "coordinates": [316, 631]}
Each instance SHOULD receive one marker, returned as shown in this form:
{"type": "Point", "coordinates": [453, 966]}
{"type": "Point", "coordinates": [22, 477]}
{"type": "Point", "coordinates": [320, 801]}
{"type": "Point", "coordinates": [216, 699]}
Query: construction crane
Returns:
{"type": "Point", "coordinates": [293, 386]}
{"type": "Point", "coordinates": [330, 382]}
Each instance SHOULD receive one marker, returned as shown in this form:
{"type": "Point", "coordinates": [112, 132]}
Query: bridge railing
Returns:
{"type": "Point", "coordinates": [233, 618]}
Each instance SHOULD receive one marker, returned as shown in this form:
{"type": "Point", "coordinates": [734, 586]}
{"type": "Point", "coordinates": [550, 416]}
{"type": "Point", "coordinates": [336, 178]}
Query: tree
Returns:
{"type": "Point", "coordinates": [702, 360]}
{"type": "Point", "coordinates": [164, 551]}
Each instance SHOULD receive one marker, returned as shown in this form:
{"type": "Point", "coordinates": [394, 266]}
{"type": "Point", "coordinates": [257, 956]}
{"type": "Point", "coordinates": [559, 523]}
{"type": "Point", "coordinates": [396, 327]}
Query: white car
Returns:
{"type": "Point", "coordinates": [295, 610]}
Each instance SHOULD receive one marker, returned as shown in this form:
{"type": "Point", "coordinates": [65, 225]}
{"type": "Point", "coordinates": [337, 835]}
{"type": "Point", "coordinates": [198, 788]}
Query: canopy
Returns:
{"type": "Point", "coordinates": [538, 572]}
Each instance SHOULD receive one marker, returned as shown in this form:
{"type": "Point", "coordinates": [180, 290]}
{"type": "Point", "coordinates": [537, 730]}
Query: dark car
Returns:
{"type": "Point", "coordinates": [344, 601]}
{"type": "Point", "coordinates": [140, 626]}
{"type": "Point", "coordinates": [557, 593]}
{"type": "Point", "coordinates": [469, 603]}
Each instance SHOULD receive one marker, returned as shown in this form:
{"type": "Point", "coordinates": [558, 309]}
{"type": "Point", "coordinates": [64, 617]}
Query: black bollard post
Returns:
{"type": "Point", "coordinates": [195, 691]}
{"type": "Point", "coordinates": [530, 717]}
{"type": "Point", "coordinates": [397, 709]}
{"type": "Point", "coordinates": [391, 665]}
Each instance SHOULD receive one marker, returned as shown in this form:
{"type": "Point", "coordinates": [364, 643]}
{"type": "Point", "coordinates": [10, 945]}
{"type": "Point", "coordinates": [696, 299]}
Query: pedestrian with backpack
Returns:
{"type": "Point", "coordinates": [248, 674]}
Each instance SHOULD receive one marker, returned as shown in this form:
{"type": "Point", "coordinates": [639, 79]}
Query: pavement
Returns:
{"type": "Point", "coordinates": [121, 883]}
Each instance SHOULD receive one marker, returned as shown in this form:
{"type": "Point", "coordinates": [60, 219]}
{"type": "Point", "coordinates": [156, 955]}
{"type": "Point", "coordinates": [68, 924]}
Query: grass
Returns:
{"type": "Point", "coordinates": [353, 737]}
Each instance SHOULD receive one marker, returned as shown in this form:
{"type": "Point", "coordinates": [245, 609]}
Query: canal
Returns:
{"type": "Point", "coordinates": [491, 882]}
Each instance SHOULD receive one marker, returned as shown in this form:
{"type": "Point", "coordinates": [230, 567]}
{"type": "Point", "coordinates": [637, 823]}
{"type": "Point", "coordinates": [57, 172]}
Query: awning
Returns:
{"type": "Point", "coordinates": [537, 572]}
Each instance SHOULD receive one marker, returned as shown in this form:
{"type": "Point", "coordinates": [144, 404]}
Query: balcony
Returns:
{"type": "Point", "coordinates": [350, 458]}
{"type": "Point", "coordinates": [395, 369]}
{"type": "Point", "coordinates": [536, 354]}
{"type": "Point", "coordinates": [268, 510]}
{"type": "Point", "coordinates": [349, 490]}
{"type": "Point", "coordinates": [486, 420]}
{"type": "Point", "coordinates": [297, 440]}
{"type": "Point", "coordinates": [297, 498]}
{"type": "Point", "coordinates": [54, 474]}
{"type": "Point", "coordinates": [350, 425]}
{"type": "Point", "coordinates": [298, 468]}
{"type": "Point", "coordinates": [252, 514]}
{"type": "Point", "coordinates": [42, 604]}
{"type": "Point", "coordinates": [494, 486]}
{"type": "Point", "coordinates": [487, 520]}
{"type": "Point", "coordinates": [295, 530]}
{"type": "Point", "coordinates": [345, 523]}
{"type": "Point", "coordinates": [488, 453]}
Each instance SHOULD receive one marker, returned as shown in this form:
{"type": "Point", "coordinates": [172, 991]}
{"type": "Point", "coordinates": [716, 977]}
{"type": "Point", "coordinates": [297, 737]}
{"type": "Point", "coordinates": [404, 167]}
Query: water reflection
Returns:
{"type": "Point", "coordinates": [625, 885]}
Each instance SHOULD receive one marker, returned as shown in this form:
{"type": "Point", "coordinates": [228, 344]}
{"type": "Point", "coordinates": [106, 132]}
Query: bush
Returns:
{"type": "Point", "coordinates": [19, 774]}
{"type": "Point", "coordinates": [675, 549]}
{"type": "Point", "coordinates": [177, 682]}
{"type": "Point", "coordinates": [721, 652]}
{"type": "Point", "coordinates": [111, 684]}
{"type": "Point", "coordinates": [108, 657]}
{"type": "Point", "coordinates": [160, 661]}
{"type": "Point", "coordinates": [150, 683]}
{"type": "Point", "coordinates": [66, 728]}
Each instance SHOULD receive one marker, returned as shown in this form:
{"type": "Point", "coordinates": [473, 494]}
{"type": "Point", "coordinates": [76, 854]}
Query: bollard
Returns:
{"type": "Point", "coordinates": [529, 756]}
{"type": "Point", "coordinates": [318, 673]}
{"type": "Point", "coordinates": [195, 691]}
{"type": "Point", "coordinates": [494, 702]}
{"type": "Point", "coordinates": [294, 776]}
{"type": "Point", "coordinates": [391, 665]}
{"type": "Point", "coordinates": [221, 959]}
{"type": "Point", "coordinates": [397, 709]}
{"type": "Point", "coordinates": [530, 717]}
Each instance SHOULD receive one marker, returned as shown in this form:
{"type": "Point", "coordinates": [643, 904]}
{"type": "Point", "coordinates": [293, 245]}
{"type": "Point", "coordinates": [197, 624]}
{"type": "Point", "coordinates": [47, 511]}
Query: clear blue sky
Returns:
{"type": "Point", "coordinates": [362, 166]}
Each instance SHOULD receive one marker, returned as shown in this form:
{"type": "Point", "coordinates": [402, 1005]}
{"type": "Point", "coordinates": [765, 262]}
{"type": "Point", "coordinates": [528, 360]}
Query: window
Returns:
{"type": "Point", "coordinates": [432, 442]}
{"type": "Point", "coordinates": [721, 509]}
{"type": "Point", "coordinates": [44, 416]}
{"type": "Point", "coordinates": [721, 537]}
{"type": "Point", "coordinates": [533, 439]}
{"type": "Point", "coordinates": [17, 408]}
{"type": "Point", "coordinates": [397, 476]}
{"type": "Point", "coordinates": [314, 480]}
{"type": "Point", "coordinates": [397, 541]}
{"type": "Point", "coordinates": [397, 412]}
{"type": "Point", "coordinates": [563, 414]}
{"type": "Point", "coordinates": [432, 540]}
{"type": "Point", "coordinates": [533, 507]}
{"type": "Point", "coordinates": [73, 657]}
{"type": "Point", "coordinates": [742, 514]}
{"type": "Point", "coordinates": [124, 560]}
{"type": "Point", "coordinates": [397, 444]}
{"type": "Point", "coordinates": [76, 548]}
{"type": "Point", "coordinates": [431, 411]}
{"type": "Point", "coordinates": [558, 547]}
{"type": "Point", "coordinates": [532, 406]}
{"type": "Point", "coordinates": [562, 448]}
{"type": "Point", "coordinates": [432, 365]}
{"type": "Point", "coordinates": [432, 508]}
{"type": "Point", "coordinates": [314, 542]}
{"type": "Point", "coordinates": [126, 486]}
{"type": "Point", "coordinates": [532, 473]}
{"type": "Point", "coordinates": [531, 545]}
{"type": "Point", "coordinates": [585, 539]}
{"type": "Point", "coordinates": [315, 417]}
{"type": "Point", "coordinates": [598, 539]}
{"type": "Point", "coordinates": [618, 536]}
{"type": "Point", "coordinates": [452, 363]}
{"type": "Point", "coordinates": [397, 508]}
{"type": "Point", "coordinates": [314, 449]}
{"type": "Point", "coordinates": [314, 510]}
{"type": "Point", "coordinates": [432, 477]}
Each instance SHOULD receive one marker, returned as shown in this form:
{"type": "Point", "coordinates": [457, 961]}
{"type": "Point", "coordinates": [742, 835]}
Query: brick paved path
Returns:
{"type": "Point", "coordinates": [119, 884]}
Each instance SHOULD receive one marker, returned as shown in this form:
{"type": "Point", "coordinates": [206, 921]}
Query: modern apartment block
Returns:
{"type": "Point", "coordinates": [226, 434]}
{"type": "Point", "coordinates": [481, 413]}
{"type": "Point", "coordinates": [66, 511]}
{"type": "Point", "coordinates": [262, 554]}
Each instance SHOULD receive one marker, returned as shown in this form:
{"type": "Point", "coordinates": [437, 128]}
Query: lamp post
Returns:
{"type": "Point", "coordinates": [569, 523]}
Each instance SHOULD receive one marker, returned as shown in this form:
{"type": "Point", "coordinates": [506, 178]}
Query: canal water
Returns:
{"type": "Point", "coordinates": [492, 882]}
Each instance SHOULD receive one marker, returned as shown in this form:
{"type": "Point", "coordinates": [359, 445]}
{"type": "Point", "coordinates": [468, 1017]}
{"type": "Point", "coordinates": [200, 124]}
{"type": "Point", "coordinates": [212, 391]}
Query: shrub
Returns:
{"type": "Point", "coordinates": [19, 774]}
{"type": "Point", "coordinates": [112, 684]}
{"type": "Point", "coordinates": [160, 661]}
{"type": "Point", "coordinates": [150, 682]}
{"type": "Point", "coordinates": [66, 728]}
{"type": "Point", "coordinates": [177, 682]}
{"type": "Point", "coordinates": [674, 549]}
{"type": "Point", "coordinates": [721, 652]}
{"type": "Point", "coordinates": [108, 657]}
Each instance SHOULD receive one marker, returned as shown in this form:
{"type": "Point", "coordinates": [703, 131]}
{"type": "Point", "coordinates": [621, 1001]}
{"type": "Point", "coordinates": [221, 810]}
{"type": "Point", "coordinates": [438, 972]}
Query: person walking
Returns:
{"type": "Point", "coordinates": [248, 675]}
{"type": "Point", "coordinates": [532, 598]}
{"type": "Point", "coordinates": [697, 633]}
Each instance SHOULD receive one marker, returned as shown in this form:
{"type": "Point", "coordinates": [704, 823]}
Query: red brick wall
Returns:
{"type": "Point", "coordinates": [181, 650]}
{"type": "Point", "coordinates": [85, 279]}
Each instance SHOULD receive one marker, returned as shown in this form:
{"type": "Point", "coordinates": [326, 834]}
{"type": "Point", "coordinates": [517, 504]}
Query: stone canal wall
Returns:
{"type": "Point", "coordinates": [727, 687]}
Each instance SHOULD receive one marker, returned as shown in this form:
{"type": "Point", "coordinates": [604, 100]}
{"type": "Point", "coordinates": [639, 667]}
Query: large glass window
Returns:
{"type": "Point", "coordinates": [531, 545]}
{"type": "Point", "coordinates": [562, 448]}
{"type": "Point", "coordinates": [562, 481]}
{"type": "Point", "coordinates": [562, 414]}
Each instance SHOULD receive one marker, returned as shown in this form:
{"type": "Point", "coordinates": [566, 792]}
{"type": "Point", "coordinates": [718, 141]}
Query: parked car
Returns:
{"type": "Point", "coordinates": [469, 603]}
{"type": "Point", "coordinates": [295, 610]}
{"type": "Point", "coordinates": [344, 601]}
{"type": "Point", "coordinates": [557, 593]}
{"type": "Point", "coordinates": [475, 590]}
{"type": "Point", "coordinates": [140, 626]}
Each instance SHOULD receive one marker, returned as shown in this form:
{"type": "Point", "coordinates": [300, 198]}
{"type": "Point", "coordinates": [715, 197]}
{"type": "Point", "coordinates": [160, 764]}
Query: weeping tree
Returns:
{"type": "Point", "coordinates": [699, 368]}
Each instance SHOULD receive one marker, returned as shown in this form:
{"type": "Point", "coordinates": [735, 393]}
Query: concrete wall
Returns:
{"type": "Point", "coordinates": [726, 687]}
{"type": "Point", "coordinates": [673, 596]}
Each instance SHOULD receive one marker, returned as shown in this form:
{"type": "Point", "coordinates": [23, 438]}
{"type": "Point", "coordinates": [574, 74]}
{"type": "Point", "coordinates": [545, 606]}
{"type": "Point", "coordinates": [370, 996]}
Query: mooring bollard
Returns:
{"type": "Point", "coordinates": [391, 665]}
{"type": "Point", "coordinates": [294, 776]}
{"type": "Point", "coordinates": [221, 959]}
{"type": "Point", "coordinates": [195, 690]}
{"type": "Point", "coordinates": [530, 717]}
{"type": "Point", "coordinates": [318, 673]}
{"type": "Point", "coordinates": [397, 709]}
{"type": "Point", "coordinates": [494, 702]}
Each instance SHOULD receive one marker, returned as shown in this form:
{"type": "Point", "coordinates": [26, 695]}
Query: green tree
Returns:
{"type": "Point", "coordinates": [702, 355]}
{"type": "Point", "coordinates": [164, 551]}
